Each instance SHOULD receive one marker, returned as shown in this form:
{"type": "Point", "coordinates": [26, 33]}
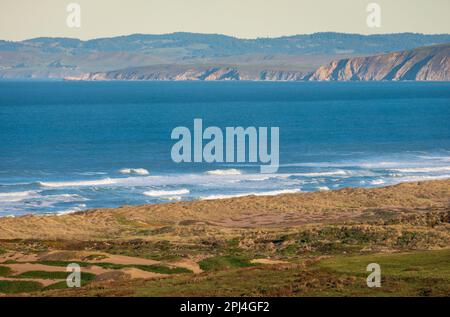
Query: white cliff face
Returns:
{"type": "Point", "coordinates": [191, 73]}
{"type": "Point", "coordinates": [427, 63]}
{"type": "Point", "coordinates": [430, 63]}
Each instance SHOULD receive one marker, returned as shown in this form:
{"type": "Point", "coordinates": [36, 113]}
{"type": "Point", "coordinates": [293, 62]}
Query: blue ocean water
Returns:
{"type": "Point", "coordinates": [69, 146]}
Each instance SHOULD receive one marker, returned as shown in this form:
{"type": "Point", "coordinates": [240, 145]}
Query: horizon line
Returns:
{"type": "Point", "coordinates": [222, 34]}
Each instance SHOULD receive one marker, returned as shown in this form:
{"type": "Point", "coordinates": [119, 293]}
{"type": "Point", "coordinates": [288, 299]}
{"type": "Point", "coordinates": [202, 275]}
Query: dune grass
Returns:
{"type": "Point", "coordinates": [95, 257]}
{"type": "Point", "coordinates": [225, 262]}
{"type": "Point", "coordinates": [15, 287]}
{"type": "Point", "coordinates": [162, 269]}
{"type": "Point", "coordinates": [149, 268]}
{"type": "Point", "coordinates": [426, 264]}
{"type": "Point", "coordinates": [418, 273]}
{"type": "Point", "coordinates": [5, 271]}
{"type": "Point", "coordinates": [63, 263]}
{"type": "Point", "coordinates": [86, 277]}
{"type": "Point", "coordinates": [114, 266]}
{"type": "Point", "coordinates": [58, 285]}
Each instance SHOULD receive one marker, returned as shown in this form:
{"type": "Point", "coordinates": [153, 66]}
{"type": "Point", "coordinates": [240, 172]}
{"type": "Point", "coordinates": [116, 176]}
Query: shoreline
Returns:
{"type": "Point", "coordinates": [174, 199]}
{"type": "Point", "coordinates": [247, 245]}
{"type": "Point", "coordinates": [284, 210]}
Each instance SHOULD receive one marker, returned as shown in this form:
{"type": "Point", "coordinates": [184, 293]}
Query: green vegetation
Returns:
{"type": "Point", "coordinates": [326, 239]}
{"type": "Point", "coordinates": [86, 277]}
{"type": "Point", "coordinates": [43, 275]}
{"type": "Point", "coordinates": [63, 263]}
{"type": "Point", "coordinates": [162, 269]}
{"type": "Point", "coordinates": [425, 273]}
{"type": "Point", "coordinates": [5, 271]}
{"type": "Point", "coordinates": [58, 285]}
{"type": "Point", "coordinates": [420, 273]}
{"type": "Point", "coordinates": [95, 257]}
{"type": "Point", "coordinates": [255, 281]}
{"type": "Point", "coordinates": [149, 268]}
{"type": "Point", "coordinates": [426, 264]}
{"type": "Point", "coordinates": [15, 287]}
{"type": "Point", "coordinates": [225, 262]}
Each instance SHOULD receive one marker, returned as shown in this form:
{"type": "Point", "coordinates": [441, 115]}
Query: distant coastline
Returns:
{"type": "Point", "coordinates": [213, 57]}
{"type": "Point", "coordinates": [430, 63]}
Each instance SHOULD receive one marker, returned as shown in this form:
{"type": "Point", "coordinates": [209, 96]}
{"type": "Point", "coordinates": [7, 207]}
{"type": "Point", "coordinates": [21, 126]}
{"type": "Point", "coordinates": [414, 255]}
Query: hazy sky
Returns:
{"type": "Point", "coordinates": [21, 19]}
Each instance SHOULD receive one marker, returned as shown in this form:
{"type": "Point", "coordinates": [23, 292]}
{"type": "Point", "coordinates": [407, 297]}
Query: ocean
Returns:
{"type": "Point", "coordinates": [72, 146]}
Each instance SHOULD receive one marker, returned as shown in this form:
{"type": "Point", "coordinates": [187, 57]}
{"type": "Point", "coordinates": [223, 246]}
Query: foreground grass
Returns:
{"type": "Point", "coordinates": [85, 277]}
{"type": "Point", "coordinates": [421, 273]}
{"type": "Point", "coordinates": [427, 264]}
{"type": "Point", "coordinates": [5, 271]}
{"type": "Point", "coordinates": [149, 268]}
{"type": "Point", "coordinates": [15, 287]}
{"type": "Point", "coordinates": [63, 263]}
{"type": "Point", "coordinates": [226, 262]}
{"type": "Point", "coordinates": [425, 273]}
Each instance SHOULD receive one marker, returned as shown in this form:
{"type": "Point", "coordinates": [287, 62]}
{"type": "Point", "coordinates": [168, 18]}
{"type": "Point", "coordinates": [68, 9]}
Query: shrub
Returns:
{"type": "Point", "coordinates": [225, 262]}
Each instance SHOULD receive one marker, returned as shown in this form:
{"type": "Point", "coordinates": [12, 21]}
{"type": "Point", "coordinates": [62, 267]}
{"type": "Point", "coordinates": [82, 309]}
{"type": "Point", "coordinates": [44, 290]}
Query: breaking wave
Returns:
{"type": "Point", "coordinates": [435, 169]}
{"type": "Point", "coordinates": [231, 171]}
{"type": "Point", "coordinates": [158, 193]}
{"type": "Point", "coordinates": [268, 193]}
{"type": "Point", "coordinates": [134, 171]}
{"type": "Point", "coordinates": [377, 182]}
{"type": "Point", "coordinates": [106, 181]}
{"type": "Point", "coordinates": [71, 210]}
{"type": "Point", "coordinates": [17, 196]}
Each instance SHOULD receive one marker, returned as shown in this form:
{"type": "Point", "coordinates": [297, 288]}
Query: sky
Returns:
{"type": "Point", "coordinates": [24, 19]}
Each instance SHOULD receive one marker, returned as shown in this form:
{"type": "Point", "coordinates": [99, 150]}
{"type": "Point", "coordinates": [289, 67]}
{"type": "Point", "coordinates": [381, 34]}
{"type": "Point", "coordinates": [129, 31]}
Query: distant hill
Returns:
{"type": "Point", "coordinates": [425, 63]}
{"type": "Point", "coordinates": [287, 57]}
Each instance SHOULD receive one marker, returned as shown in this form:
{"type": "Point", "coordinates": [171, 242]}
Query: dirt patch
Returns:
{"type": "Point", "coordinates": [112, 276]}
{"type": "Point", "coordinates": [125, 260]}
{"type": "Point", "coordinates": [268, 261]}
{"type": "Point", "coordinates": [188, 264]}
{"type": "Point", "coordinates": [20, 268]}
{"type": "Point", "coordinates": [18, 257]}
{"type": "Point", "coordinates": [136, 273]}
{"type": "Point", "coordinates": [57, 255]}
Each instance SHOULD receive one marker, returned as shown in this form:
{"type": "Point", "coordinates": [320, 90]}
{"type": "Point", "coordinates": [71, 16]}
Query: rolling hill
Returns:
{"type": "Point", "coordinates": [425, 63]}
{"type": "Point", "coordinates": [284, 58]}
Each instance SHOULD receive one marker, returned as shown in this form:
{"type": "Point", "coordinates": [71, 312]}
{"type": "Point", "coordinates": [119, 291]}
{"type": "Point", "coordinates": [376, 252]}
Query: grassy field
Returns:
{"type": "Point", "coordinates": [149, 268]}
{"type": "Point", "coordinates": [219, 263]}
{"type": "Point", "coordinates": [5, 271]}
{"type": "Point", "coordinates": [420, 273]}
{"type": "Point", "coordinates": [17, 287]}
{"type": "Point", "coordinates": [85, 277]}
{"type": "Point", "coordinates": [425, 273]}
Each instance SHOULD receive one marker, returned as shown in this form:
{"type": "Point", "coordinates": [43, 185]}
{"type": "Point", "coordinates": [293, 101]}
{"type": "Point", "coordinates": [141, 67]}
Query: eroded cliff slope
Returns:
{"type": "Point", "coordinates": [426, 63]}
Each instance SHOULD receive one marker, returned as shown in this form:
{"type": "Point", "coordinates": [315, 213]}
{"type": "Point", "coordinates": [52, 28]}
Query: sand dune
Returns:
{"type": "Point", "coordinates": [243, 212]}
